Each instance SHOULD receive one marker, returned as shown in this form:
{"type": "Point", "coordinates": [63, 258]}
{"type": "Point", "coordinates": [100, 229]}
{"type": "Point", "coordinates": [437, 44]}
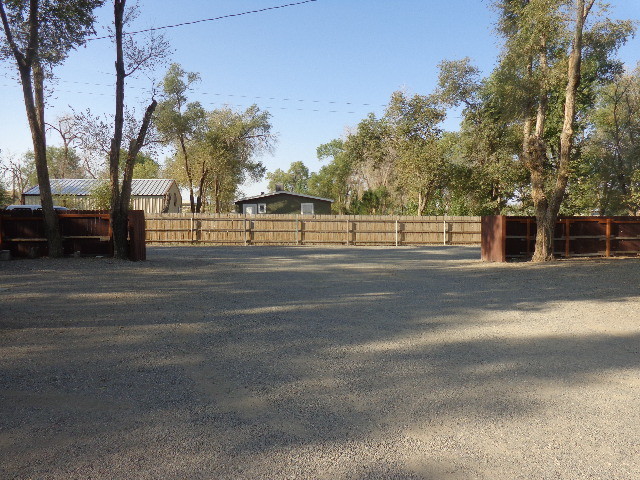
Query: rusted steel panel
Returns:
{"type": "Point", "coordinates": [83, 232]}
{"type": "Point", "coordinates": [573, 237]}
{"type": "Point", "coordinates": [137, 245]}
{"type": "Point", "coordinates": [493, 233]}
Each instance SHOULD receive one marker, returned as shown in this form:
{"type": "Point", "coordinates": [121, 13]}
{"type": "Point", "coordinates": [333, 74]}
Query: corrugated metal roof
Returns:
{"type": "Point", "coordinates": [151, 186]}
{"type": "Point", "coordinates": [84, 186]}
{"type": "Point", "coordinates": [286, 193]}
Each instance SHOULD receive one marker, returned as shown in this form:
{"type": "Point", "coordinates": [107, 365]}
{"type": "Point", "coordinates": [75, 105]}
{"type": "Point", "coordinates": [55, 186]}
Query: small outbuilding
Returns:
{"type": "Point", "coordinates": [283, 202]}
{"type": "Point", "coordinates": [152, 195]}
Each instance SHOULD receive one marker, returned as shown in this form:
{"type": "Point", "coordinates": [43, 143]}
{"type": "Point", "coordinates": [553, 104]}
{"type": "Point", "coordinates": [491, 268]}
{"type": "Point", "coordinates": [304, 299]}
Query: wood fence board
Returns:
{"type": "Point", "coordinates": [238, 229]}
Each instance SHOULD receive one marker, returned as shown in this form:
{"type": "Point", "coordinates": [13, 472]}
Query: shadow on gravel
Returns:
{"type": "Point", "coordinates": [210, 359]}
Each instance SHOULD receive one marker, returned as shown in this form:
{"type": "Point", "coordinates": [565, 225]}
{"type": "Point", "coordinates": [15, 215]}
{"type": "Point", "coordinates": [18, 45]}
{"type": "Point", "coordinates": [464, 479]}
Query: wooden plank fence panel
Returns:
{"type": "Point", "coordinates": [238, 229]}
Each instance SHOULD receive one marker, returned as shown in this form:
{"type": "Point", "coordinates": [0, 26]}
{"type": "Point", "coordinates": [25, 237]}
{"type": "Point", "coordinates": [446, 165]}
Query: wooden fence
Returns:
{"type": "Point", "coordinates": [237, 229]}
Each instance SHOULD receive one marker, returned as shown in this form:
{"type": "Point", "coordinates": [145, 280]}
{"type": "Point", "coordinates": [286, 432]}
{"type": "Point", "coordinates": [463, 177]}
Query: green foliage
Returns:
{"type": "Point", "coordinates": [146, 167]}
{"type": "Point", "coordinates": [63, 25]}
{"type": "Point", "coordinates": [530, 84]}
{"type": "Point", "coordinates": [404, 163]}
{"type": "Point", "coordinates": [101, 196]}
{"type": "Point", "coordinates": [371, 202]}
{"type": "Point", "coordinates": [605, 178]}
{"type": "Point", "coordinates": [215, 151]}
{"type": "Point", "coordinates": [295, 179]}
{"type": "Point", "coordinates": [484, 152]}
{"type": "Point", "coordinates": [64, 163]}
{"type": "Point", "coordinates": [333, 180]}
{"type": "Point", "coordinates": [178, 120]}
{"type": "Point", "coordinates": [5, 197]}
{"type": "Point", "coordinates": [458, 83]}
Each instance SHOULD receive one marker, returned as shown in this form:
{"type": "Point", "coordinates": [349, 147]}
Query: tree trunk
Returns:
{"type": "Point", "coordinates": [547, 205]}
{"type": "Point", "coordinates": [217, 193]}
{"type": "Point", "coordinates": [545, 228]}
{"type": "Point", "coordinates": [120, 243]}
{"type": "Point", "coordinates": [52, 225]}
{"type": "Point", "coordinates": [201, 188]}
{"type": "Point", "coordinates": [421, 203]}
{"type": "Point", "coordinates": [121, 194]}
{"type": "Point", "coordinates": [118, 217]}
{"type": "Point", "coordinates": [187, 168]}
{"type": "Point", "coordinates": [29, 66]}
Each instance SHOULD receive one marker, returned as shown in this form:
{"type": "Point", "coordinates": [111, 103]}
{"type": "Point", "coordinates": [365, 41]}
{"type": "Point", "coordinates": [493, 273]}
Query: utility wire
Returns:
{"type": "Point", "coordinates": [217, 94]}
{"type": "Point", "coordinates": [193, 22]}
{"type": "Point", "coordinates": [265, 107]}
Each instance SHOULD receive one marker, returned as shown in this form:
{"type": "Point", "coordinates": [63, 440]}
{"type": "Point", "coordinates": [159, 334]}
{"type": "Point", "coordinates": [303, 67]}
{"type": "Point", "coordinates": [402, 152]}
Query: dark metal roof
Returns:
{"type": "Point", "coordinates": [84, 186]}
{"type": "Point", "coordinates": [282, 192]}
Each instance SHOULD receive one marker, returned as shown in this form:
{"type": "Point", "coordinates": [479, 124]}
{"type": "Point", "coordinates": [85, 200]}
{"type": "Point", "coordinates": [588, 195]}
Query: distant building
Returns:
{"type": "Point", "coordinates": [283, 202]}
{"type": "Point", "coordinates": [153, 195]}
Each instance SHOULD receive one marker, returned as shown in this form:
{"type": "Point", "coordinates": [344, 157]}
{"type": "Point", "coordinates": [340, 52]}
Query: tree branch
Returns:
{"type": "Point", "coordinates": [12, 44]}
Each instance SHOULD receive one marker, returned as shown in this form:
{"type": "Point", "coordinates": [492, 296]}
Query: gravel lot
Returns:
{"type": "Point", "coordinates": [319, 363]}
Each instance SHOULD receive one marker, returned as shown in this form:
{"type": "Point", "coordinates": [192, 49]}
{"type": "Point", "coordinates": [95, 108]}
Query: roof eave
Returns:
{"type": "Point", "coordinates": [266, 195]}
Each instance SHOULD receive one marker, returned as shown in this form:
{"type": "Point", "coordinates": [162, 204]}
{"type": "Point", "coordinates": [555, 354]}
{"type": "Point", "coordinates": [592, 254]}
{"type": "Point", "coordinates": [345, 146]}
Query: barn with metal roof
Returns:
{"type": "Point", "coordinates": [153, 195]}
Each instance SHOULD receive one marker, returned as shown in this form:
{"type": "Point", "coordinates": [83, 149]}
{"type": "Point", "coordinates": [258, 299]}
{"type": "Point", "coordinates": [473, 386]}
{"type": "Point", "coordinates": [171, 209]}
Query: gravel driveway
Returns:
{"type": "Point", "coordinates": [319, 363]}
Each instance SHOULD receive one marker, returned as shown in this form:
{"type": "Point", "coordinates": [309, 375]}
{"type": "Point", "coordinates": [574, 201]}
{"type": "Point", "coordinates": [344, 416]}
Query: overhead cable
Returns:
{"type": "Point", "coordinates": [291, 108]}
{"type": "Point", "coordinates": [222, 17]}
{"type": "Point", "coordinates": [218, 94]}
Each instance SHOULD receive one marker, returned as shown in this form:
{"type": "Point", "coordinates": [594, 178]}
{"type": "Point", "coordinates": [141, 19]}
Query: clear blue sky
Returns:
{"type": "Point", "coordinates": [319, 68]}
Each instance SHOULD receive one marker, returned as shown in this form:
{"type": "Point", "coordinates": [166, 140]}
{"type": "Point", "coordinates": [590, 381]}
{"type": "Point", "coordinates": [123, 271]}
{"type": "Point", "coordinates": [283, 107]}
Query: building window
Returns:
{"type": "Point", "coordinates": [306, 208]}
{"type": "Point", "coordinates": [262, 208]}
{"type": "Point", "coordinates": [249, 208]}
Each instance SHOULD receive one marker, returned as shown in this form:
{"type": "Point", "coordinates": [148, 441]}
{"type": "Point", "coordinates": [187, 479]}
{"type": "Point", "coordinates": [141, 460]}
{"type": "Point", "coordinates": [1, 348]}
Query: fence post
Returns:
{"type": "Point", "coordinates": [244, 228]}
{"type": "Point", "coordinates": [396, 232]}
{"type": "Point", "coordinates": [347, 230]}
{"type": "Point", "coordinates": [444, 230]}
{"type": "Point", "coordinates": [567, 240]}
{"type": "Point", "coordinates": [192, 232]}
{"type": "Point", "coordinates": [297, 231]}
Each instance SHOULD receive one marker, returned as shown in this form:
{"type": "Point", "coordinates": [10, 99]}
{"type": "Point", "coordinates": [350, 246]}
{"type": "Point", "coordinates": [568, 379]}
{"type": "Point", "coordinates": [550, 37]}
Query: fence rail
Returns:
{"type": "Point", "coordinates": [237, 229]}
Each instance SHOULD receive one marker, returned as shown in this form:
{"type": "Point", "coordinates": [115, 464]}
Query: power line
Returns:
{"type": "Point", "coordinates": [267, 107]}
{"type": "Point", "coordinates": [219, 94]}
{"type": "Point", "coordinates": [207, 19]}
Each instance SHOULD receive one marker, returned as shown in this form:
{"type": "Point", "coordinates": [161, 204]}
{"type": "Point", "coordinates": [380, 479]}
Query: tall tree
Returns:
{"type": "Point", "coordinates": [484, 149]}
{"type": "Point", "coordinates": [180, 122]}
{"type": "Point", "coordinates": [417, 131]}
{"type": "Point", "coordinates": [334, 180]}
{"type": "Point", "coordinates": [130, 58]}
{"type": "Point", "coordinates": [224, 156]}
{"type": "Point", "coordinates": [373, 155]}
{"type": "Point", "coordinates": [61, 164]}
{"type": "Point", "coordinates": [295, 179]}
{"type": "Point", "coordinates": [146, 167]}
{"type": "Point", "coordinates": [232, 143]}
{"type": "Point", "coordinates": [20, 173]}
{"type": "Point", "coordinates": [542, 67]}
{"type": "Point", "coordinates": [39, 35]}
{"type": "Point", "coordinates": [69, 130]}
{"type": "Point", "coordinates": [607, 179]}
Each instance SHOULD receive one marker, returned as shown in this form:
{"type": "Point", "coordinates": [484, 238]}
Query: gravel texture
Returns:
{"type": "Point", "coordinates": [319, 363]}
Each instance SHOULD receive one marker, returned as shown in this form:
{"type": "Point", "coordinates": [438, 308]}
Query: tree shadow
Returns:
{"type": "Point", "coordinates": [241, 362]}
